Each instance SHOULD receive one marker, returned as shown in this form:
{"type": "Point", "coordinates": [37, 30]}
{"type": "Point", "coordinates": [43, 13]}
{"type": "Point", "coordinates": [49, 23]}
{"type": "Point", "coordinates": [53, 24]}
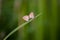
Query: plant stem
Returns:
{"type": "Point", "coordinates": [20, 26]}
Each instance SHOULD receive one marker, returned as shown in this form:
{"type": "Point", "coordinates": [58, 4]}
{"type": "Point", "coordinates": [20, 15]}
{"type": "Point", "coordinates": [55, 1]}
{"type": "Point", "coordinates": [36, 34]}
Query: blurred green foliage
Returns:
{"type": "Point", "coordinates": [45, 27]}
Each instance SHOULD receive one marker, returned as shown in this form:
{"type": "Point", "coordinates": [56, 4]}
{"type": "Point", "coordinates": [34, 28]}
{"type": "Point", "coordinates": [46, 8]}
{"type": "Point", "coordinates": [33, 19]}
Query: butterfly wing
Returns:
{"type": "Point", "coordinates": [26, 18]}
{"type": "Point", "coordinates": [31, 15]}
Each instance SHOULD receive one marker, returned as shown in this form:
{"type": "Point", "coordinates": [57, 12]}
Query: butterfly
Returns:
{"type": "Point", "coordinates": [27, 17]}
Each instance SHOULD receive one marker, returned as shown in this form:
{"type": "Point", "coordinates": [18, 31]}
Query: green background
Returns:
{"type": "Point", "coordinates": [45, 27]}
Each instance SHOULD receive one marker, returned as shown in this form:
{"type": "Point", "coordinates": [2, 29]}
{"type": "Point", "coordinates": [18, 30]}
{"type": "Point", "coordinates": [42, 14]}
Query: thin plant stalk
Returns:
{"type": "Point", "coordinates": [20, 26]}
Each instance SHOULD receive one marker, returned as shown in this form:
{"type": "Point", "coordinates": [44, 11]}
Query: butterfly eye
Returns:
{"type": "Point", "coordinates": [26, 18]}
{"type": "Point", "coordinates": [31, 15]}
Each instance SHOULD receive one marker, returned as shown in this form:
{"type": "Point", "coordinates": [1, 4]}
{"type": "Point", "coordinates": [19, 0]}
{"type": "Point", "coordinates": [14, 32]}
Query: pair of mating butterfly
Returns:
{"type": "Point", "coordinates": [27, 17]}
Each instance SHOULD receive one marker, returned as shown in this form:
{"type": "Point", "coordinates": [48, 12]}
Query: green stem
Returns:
{"type": "Point", "coordinates": [22, 25]}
